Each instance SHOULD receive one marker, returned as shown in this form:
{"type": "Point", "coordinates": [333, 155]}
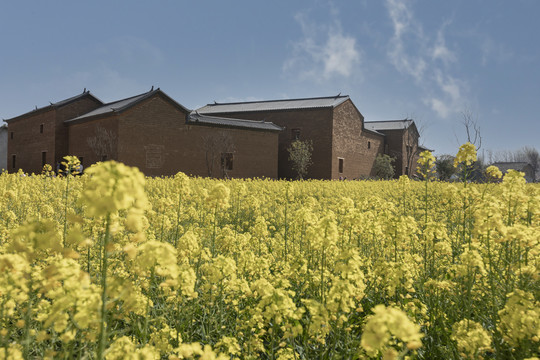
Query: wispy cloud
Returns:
{"type": "Point", "coordinates": [440, 51]}
{"type": "Point", "coordinates": [425, 59]}
{"type": "Point", "coordinates": [324, 51]}
{"type": "Point", "coordinates": [405, 30]}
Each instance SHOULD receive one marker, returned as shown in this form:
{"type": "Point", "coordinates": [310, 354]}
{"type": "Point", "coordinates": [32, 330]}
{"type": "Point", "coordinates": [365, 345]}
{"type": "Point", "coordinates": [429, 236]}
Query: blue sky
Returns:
{"type": "Point", "coordinates": [429, 60]}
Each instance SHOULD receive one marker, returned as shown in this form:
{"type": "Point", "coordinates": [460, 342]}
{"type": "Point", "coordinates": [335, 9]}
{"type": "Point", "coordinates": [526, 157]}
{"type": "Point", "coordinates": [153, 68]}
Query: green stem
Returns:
{"type": "Point", "coordinates": [102, 341]}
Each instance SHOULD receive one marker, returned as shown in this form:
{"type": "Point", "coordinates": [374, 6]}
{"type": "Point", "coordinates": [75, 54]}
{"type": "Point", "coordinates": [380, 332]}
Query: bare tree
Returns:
{"type": "Point", "coordinates": [103, 143]}
{"type": "Point", "coordinates": [472, 129]}
{"type": "Point", "coordinates": [218, 147]}
{"type": "Point", "coordinates": [412, 149]}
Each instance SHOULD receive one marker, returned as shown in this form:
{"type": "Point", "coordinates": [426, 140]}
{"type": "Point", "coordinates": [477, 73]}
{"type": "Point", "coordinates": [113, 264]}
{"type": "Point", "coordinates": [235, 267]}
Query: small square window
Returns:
{"type": "Point", "coordinates": [295, 134]}
{"type": "Point", "coordinates": [227, 161]}
{"type": "Point", "coordinates": [340, 165]}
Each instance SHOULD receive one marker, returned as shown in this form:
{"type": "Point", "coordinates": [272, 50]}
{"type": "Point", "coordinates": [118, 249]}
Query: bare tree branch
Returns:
{"type": "Point", "coordinates": [215, 146]}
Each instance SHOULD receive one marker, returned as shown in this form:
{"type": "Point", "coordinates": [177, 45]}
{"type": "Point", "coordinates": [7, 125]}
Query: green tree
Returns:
{"type": "Point", "coordinates": [383, 167]}
{"type": "Point", "coordinates": [445, 167]}
{"type": "Point", "coordinates": [300, 156]}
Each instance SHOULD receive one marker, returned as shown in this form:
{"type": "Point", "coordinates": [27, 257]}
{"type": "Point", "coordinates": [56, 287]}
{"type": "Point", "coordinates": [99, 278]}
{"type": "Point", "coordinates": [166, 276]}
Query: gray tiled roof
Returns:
{"type": "Point", "coordinates": [120, 105]}
{"type": "Point", "coordinates": [57, 104]}
{"type": "Point", "coordinates": [112, 107]}
{"type": "Point", "coordinates": [514, 165]}
{"type": "Point", "coordinates": [388, 124]}
{"type": "Point", "coordinates": [200, 119]}
{"type": "Point", "coordinates": [272, 105]}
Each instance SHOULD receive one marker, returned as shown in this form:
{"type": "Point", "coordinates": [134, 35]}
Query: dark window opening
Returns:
{"type": "Point", "coordinates": [295, 134]}
{"type": "Point", "coordinates": [81, 159]}
{"type": "Point", "coordinates": [13, 160]}
{"type": "Point", "coordinates": [11, 135]}
{"type": "Point", "coordinates": [103, 157]}
{"type": "Point", "coordinates": [41, 129]}
{"type": "Point", "coordinates": [340, 165]}
{"type": "Point", "coordinates": [406, 170]}
{"type": "Point", "coordinates": [369, 144]}
{"type": "Point", "coordinates": [227, 161]}
{"type": "Point", "coordinates": [43, 158]}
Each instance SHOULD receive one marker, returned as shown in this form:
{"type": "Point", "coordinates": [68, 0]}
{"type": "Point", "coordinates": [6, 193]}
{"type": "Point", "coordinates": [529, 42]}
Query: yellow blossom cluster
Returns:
{"type": "Point", "coordinates": [113, 265]}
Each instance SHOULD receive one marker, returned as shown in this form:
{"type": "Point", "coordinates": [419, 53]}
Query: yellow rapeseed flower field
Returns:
{"type": "Point", "coordinates": [112, 265]}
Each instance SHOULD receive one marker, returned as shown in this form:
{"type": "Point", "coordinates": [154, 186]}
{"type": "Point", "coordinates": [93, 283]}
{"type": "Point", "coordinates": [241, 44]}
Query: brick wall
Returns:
{"type": "Point", "coordinates": [312, 124]}
{"type": "Point", "coordinates": [353, 147]}
{"type": "Point", "coordinates": [102, 132]}
{"type": "Point", "coordinates": [153, 136]}
{"type": "Point", "coordinates": [69, 111]}
{"type": "Point", "coordinates": [27, 143]}
{"type": "Point", "coordinates": [42, 135]}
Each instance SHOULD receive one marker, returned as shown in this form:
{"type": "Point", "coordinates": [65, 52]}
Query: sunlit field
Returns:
{"type": "Point", "coordinates": [114, 265]}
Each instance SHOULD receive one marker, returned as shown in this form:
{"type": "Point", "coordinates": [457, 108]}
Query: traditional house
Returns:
{"type": "Point", "coordinates": [39, 137]}
{"type": "Point", "coordinates": [524, 167]}
{"type": "Point", "coordinates": [3, 147]}
{"type": "Point", "coordinates": [244, 139]}
{"type": "Point", "coordinates": [150, 131]}
{"type": "Point", "coordinates": [342, 146]}
{"type": "Point", "coordinates": [400, 142]}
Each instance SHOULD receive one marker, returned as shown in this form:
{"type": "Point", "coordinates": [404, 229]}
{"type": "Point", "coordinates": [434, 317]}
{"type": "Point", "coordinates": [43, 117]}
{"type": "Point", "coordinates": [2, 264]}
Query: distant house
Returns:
{"type": "Point", "coordinates": [3, 147]}
{"type": "Point", "coordinates": [342, 146]}
{"type": "Point", "coordinates": [524, 167]}
{"type": "Point", "coordinates": [401, 142]}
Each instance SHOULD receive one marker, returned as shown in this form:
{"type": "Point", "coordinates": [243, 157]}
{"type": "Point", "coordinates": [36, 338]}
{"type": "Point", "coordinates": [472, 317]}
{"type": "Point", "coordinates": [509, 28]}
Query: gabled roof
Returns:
{"type": "Point", "coordinates": [195, 118]}
{"type": "Point", "coordinates": [274, 105]}
{"type": "Point", "coordinates": [56, 105]}
{"type": "Point", "coordinates": [388, 124]}
{"type": "Point", "coordinates": [423, 148]}
{"type": "Point", "coordinates": [118, 106]}
{"type": "Point", "coordinates": [513, 165]}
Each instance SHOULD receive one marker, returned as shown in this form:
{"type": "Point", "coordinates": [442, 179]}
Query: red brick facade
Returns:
{"type": "Point", "coordinates": [337, 134]}
{"type": "Point", "coordinates": [161, 137]}
{"type": "Point", "coordinates": [353, 146]}
{"type": "Point", "coordinates": [154, 136]}
{"type": "Point", "coordinates": [40, 137]}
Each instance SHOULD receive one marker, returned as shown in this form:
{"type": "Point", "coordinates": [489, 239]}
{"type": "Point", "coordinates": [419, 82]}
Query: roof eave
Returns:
{"type": "Point", "coordinates": [203, 123]}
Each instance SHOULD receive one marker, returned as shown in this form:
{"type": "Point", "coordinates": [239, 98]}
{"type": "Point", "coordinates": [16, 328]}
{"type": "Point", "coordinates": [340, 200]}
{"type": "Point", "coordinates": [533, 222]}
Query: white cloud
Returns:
{"type": "Point", "coordinates": [440, 51]}
{"type": "Point", "coordinates": [449, 86]}
{"type": "Point", "coordinates": [324, 51]}
{"type": "Point", "coordinates": [405, 29]}
{"type": "Point", "coordinates": [439, 107]}
{"type": "Point", "coordinates": [425, 59]}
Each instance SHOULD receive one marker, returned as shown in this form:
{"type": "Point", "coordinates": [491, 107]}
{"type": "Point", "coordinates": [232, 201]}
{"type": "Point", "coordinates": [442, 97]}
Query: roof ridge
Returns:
{"type": "Point", "coordinates": [372, 121]}
{"type": "Point", "coordinates": [57, 104]}
{"type": "Point", "coordinates": [235, 119]}
{"type": "Point", "coordinates": [130, 97]}
{"type": "Point", "coordinates": [278, 100]}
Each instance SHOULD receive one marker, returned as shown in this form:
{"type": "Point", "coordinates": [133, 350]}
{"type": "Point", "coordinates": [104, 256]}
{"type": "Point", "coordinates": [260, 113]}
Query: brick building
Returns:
{"type": "Point", "coordinates": [3, 147]}
{"type": "Point", "coordinates": [401, 143]}
{"type": "Point", "coordinates": [150, 131]}
{"type": "Point", "coordinates": [342, 146]}
{"type": "Point", "coordinates": [248, 139]}
{"type": "Point", "coordinates": [39, 137]}
{"type": "Point", "coordinates": [524, 167]}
